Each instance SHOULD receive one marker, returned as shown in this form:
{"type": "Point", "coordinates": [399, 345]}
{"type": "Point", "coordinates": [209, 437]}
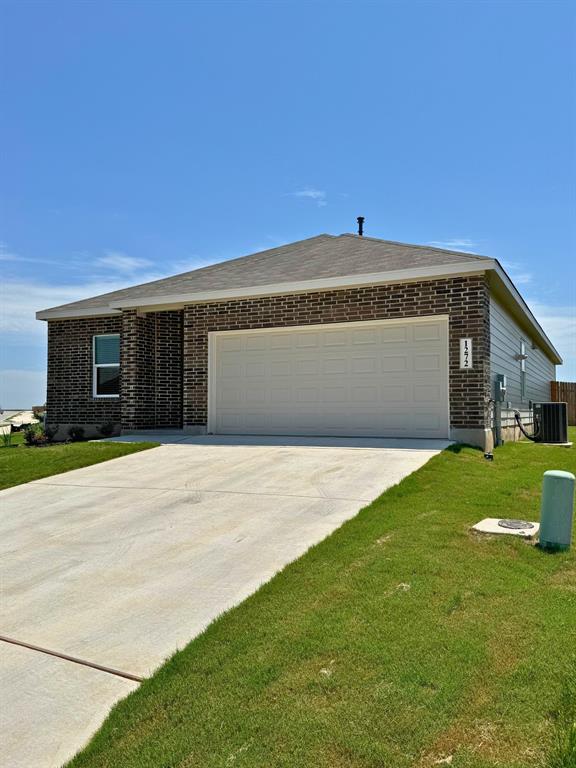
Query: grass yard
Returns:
{"type": "Point", "coordinates": [401, 640]}
{"type": "Point", "coordinates": [22, 464]}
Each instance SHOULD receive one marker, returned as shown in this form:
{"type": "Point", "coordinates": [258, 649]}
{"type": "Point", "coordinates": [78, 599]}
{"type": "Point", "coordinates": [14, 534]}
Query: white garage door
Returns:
{"type": "Point", "coordinates": [382, 378]}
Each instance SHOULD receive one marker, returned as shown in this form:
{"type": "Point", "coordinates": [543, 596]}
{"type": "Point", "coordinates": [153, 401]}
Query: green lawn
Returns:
{"type": "Point", "coordinates": [400, 641]}
{"type": "Point", "coordinates": [22, 464]}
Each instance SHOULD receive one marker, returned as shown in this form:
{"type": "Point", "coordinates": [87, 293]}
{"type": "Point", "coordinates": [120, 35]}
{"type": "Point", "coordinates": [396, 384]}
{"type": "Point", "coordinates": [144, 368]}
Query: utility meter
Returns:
{"type": "Point", "coordinates": [500, 394]}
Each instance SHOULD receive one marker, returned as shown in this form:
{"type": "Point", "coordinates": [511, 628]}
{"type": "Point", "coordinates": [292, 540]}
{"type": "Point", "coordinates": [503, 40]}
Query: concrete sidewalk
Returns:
{"type": "Point", "coordinates": [123, 562]}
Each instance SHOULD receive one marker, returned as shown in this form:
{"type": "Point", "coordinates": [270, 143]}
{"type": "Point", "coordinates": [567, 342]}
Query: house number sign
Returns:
{"type": "Point", "coordinates": [466, 353]}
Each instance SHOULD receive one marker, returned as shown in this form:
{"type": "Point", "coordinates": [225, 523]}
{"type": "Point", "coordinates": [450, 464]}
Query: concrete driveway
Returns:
{"type": "Point", "coordinates": [122, 563]}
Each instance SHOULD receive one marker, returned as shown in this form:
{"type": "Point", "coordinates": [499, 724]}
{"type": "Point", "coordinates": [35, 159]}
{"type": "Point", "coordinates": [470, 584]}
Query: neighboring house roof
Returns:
{"type": "Point", "coordinates": [321, 262]}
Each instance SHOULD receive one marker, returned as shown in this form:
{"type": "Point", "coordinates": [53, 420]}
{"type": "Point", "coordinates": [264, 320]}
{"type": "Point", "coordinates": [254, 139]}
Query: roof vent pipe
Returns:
{"type": "Point", "coordinates": [360, 221]}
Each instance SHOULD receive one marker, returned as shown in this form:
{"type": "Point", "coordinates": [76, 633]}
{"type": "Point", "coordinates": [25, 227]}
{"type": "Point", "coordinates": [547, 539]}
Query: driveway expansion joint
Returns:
{"type": "Point", "coordinates": [73, 659]}
{"type": "Point", "coordinates": [202, 490]}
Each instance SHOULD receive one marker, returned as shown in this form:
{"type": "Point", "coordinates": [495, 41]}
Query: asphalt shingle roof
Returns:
{"type": "Point", "coordinates": [323, 256]}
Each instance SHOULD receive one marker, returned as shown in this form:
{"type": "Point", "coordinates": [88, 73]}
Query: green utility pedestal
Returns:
{"type": "Point", "coordinates": [557, 509]}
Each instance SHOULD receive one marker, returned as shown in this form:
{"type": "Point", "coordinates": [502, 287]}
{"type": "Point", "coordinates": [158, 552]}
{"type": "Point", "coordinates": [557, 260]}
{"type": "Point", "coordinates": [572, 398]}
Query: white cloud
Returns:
{"type": "Point", "coordinates": [121, 262]}
{"type": "Point", "coordinates": [456, 244]}
{"type": "Point", "coordinates": [559, 322]}
{"type": "Point", "coordinates": [7, 255]}
{"type": "Point", "coordinates": [22, 389]}
{"type": "Point", "coordinates": [319, 196]}
{"type": "Point", "coordinates": [517, 272]}
{"type": "Point", "coordinates": [21, 299]}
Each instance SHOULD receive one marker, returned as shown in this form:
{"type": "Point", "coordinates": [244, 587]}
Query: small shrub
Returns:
{"type": "Point", "coordinates": [34, 437]}
{"type": "Point", "coordinates": [76, 433]}
{"type": "Point", "coordinates": [7, 437]}
{"type": "Point", "coordinates": [107, 429]}
{"type": "Point", "coordinates": [29, 435]}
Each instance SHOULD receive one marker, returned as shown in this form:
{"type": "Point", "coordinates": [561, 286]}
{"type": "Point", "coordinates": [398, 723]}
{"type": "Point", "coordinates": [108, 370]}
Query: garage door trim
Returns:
{"type": "Point", "coordinates": [213, 335]}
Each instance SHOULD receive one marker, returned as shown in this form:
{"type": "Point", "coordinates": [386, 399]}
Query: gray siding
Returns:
{"type": "Point", "coordinates": [505, 338]}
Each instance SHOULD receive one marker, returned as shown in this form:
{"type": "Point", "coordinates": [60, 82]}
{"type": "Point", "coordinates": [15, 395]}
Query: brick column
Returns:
{"type": "Point", "coordinates": [137, 367]}
{"type": "Point", "coordinates": [195, 370]}
{"type": "Point", "coordinates": [168, 369]}
{"type": "Point", "coordinates": [470, 389]}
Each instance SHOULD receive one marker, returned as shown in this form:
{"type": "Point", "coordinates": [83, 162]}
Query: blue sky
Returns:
{"type": "Point", "coordinates": [140, 139]}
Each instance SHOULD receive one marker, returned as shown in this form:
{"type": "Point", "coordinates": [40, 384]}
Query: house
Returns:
{"type": "Point", "coordinates": [333, 335]}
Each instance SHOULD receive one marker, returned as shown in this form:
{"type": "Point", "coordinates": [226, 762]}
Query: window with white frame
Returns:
{"type": "Point", "coordinates": [106, 365]}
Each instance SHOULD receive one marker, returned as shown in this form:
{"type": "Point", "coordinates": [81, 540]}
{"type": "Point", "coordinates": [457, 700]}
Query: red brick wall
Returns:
{"type": "Point", "coordinates": [69, 396]}
{"type": "Point", "coordinates": [168, 369]}
{"type": "Point", "coordinates": [137, 352]}
{"type": "Point", "coordinates": [465, 300]}
{"type": "Point", "coordinates": [150, 371]}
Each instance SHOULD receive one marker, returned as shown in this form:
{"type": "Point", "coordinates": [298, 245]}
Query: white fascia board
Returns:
{"type": "Point", "coordinates": [77, 312]}
{"type": "Point", "coordinates": [467, 268]}
{"type": "Point", "coordinates": [304, 286]}
{"type": "Point", "coordinates": [539, 332]}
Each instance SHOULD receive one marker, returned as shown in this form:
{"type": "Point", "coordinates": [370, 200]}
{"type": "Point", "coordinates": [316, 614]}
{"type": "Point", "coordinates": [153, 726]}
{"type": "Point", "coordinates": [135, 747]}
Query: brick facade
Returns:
{"type": "Point", "coordinates": [137, 352]}
{"type": "Point", "coordinates": [70, 400]}
{"type": "Point", "coordinates": [168, 369]}
{"type": "Point", "coordinates": [150, 372]}
{"type": "Point", "coordinates": [464, 299]}
{"type": "Point", "coordinates": [164, 355]}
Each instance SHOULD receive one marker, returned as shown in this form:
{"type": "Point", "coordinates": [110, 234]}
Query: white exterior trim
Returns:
{"type": "Point", "coordinates": [69, 314]}
{"type": "Point", "coordinates": [212, 335]}
{"type": "Point", "coordinates": [96, 365]}
{"type": "Point", "coordinates": [271, 289]}
{"type": "Point", "coordinates": [325, 283]}
{"type": "Point", "coordinates": [176, 301]}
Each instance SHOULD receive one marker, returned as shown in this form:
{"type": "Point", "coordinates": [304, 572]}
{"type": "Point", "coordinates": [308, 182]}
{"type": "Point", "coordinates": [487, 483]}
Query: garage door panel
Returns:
{"type": "Point", "coordinates": [397, 394]}
{"type": "Point", "coordinates": [427, 393]}
{"type": "Point", "coordinates": [280, 368]}
{"type": "Point", "coordinates": [255, 395]}
{"type": "Point", "coordinates": [364, 365]}
{"type": "Point", "coordinates": [256, 370]}
{"type": "Point", "coordinates": [392, 363]}
{"type": "Point", "coordinates": [335, 395]}
{"type": "Point", "coordinates": [364, 336]}
{"type": "Point", "coordinates": [365, 394]}
{"type": "Point", "coordinates": [281, 395]}
{"type": "Point", "coordinates": [307, 340]}
{"type": "Point", "coordinates": [396, 334]}
{"type": "Point", "coordinates": [384, 379]}
{"type": "Point", "coordinates": [231, 343]}
{"type": "Point", "coordinates": [307, 395]}
{"type": "Point", "coordinates": [232, 371]}
{"type": "Point", "coordinates": [427, 332]}
{"type": "Point", "coordinates": [426, 362]}
{"type": "Point", "coordinates": [335, 365]}
{"type": "Point", "coordinates": [335, 338]}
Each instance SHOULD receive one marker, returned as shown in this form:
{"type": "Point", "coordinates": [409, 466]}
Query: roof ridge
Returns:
{"type": "Point", "coordinates": [478, 256]}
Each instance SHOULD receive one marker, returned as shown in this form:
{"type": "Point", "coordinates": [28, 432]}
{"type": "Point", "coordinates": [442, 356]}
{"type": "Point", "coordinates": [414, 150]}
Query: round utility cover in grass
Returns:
{"type": "Point", "coordinates": [515, 524]}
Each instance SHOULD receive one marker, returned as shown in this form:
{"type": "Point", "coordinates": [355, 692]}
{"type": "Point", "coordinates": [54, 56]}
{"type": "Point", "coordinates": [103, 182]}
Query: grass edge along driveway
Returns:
{"type": "Point", "coordinates": [403, 639]}
{"type": "Point", "coordinates": [21, 464]}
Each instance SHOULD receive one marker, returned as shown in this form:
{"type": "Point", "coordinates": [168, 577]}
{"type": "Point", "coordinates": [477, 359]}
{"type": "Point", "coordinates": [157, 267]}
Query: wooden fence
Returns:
{"type": "Point", "coordinates": [565, 392]}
